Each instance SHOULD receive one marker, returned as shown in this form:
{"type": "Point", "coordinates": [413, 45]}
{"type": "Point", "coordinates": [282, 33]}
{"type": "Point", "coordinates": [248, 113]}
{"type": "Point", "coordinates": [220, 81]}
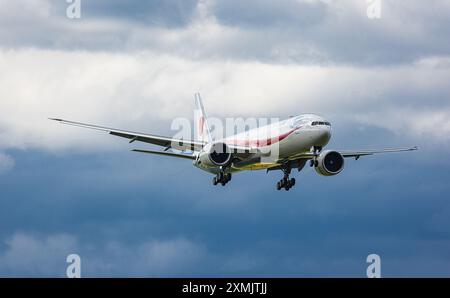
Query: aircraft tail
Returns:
{"type": "Point", "coordinates": [202, 130]}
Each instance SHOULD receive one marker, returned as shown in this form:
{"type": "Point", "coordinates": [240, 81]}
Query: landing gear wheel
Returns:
{"type": "Point", "coordinates": [286, 183]}
{"type": "Point", "coordinates": [278, 185]}
{"type": "Point", "coordinates": [228, 177]}
{"type": "Point", "coordinates": [292, 182]}
{"type": "Point", "coordinates": [222, 178]}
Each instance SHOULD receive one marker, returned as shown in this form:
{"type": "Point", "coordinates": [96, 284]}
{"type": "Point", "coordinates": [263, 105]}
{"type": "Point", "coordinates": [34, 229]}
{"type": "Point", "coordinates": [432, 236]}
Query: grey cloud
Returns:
{"type": "Point", "coordinates": [145, 92]}
{"type": "Point", "coordinates": [171, 13]}
{"type": "Point", "coordinates": [302, 32]}
{"type": "Point", "coordinates": [29, 255]}
{"type": "Point", "coordinates": [157, 258]}
{"type": "Point", "coordinates": [267, 13]}
{"type": "Point", "coordinates": [166, 13]}
{"type": "Point", "coordinates": [104, 25]}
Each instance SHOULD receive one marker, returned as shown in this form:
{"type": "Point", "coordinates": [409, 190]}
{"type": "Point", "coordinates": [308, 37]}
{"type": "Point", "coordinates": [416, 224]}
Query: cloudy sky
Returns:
{"type": "Point", "coordinates": [136, 65]}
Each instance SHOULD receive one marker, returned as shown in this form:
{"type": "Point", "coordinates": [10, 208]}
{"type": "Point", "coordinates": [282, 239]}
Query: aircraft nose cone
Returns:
{"type": "Point", "coordinates": [325, 135]}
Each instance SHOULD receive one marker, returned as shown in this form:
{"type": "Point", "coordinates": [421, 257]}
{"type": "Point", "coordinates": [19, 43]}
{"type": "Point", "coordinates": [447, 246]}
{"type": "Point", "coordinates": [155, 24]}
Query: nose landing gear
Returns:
{"type": "Point", "coordinates": [316, 150]}
{"type": "Point", "coordinates": [313, 163]}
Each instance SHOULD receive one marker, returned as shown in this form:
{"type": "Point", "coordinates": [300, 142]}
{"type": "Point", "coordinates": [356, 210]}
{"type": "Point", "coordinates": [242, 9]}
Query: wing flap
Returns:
{"type": "Point", "coordinates": [164, 153]}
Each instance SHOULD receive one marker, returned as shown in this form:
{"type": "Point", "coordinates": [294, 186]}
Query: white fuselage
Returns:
{"type": "Point", "coordinates": [283, 139]}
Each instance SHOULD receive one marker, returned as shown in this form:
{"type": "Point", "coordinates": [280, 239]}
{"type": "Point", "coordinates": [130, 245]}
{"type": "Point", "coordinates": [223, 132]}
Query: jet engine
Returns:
{"type": "Point", "coordinates": [215, 154]}
{"type": "Point", "coordinates": [329, 163]}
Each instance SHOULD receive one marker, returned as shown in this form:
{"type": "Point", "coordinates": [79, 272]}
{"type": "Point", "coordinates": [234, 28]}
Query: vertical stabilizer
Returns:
{"type": "Point", "coordinates": [202, 130]}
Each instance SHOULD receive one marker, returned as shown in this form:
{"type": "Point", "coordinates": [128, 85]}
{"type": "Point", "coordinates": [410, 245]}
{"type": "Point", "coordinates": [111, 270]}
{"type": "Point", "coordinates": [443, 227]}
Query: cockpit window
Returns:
{"type": "Point", "coordinates": [314, 123]}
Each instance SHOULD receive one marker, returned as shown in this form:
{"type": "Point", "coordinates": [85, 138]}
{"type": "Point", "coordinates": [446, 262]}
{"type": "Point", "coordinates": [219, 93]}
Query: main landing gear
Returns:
{"type": "Point", "coordinates": [286, 183]}
{"type": "Point", "coordinates": [222, 178]}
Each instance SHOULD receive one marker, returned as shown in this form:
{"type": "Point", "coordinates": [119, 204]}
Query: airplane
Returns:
{"type": "Point", "coordinates": [296, 141]}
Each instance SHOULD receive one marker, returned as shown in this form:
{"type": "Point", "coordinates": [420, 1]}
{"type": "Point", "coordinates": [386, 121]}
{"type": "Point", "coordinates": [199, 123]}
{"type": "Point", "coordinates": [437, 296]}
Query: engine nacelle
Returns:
{"type": "Point", "coordinates": [215, 154]}
{"type": "Point", "coordinates": [329, 163]}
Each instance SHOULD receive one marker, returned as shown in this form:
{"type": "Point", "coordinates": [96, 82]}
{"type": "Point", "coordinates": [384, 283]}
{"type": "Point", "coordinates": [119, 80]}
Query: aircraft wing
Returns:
{"type": "Point", "coordinates": [356, 153]}
{"type": "Point", "coordinates": [146, 138]}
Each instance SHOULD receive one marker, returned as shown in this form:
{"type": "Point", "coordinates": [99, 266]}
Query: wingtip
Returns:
{"type": "Point", "coordinates": [55, 119]}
